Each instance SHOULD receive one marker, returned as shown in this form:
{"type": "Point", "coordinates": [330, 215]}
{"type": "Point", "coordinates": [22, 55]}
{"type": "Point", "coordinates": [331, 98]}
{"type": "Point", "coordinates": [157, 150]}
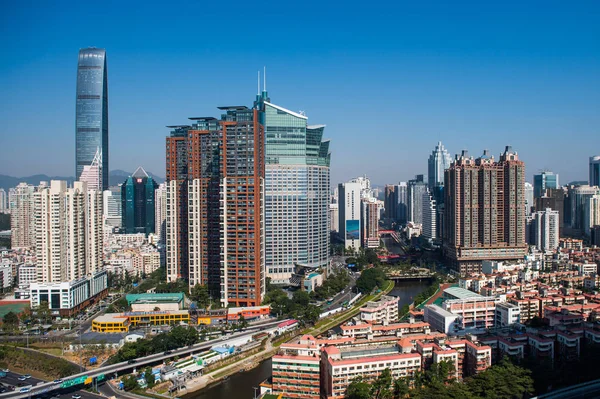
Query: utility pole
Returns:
{"type": "Point", "coordinates": [255, 388]}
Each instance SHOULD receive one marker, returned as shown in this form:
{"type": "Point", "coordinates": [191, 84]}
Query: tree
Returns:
{"type": "Point", "coordinates": [43, 312]}
{"type": "Point", "coordinates": [504, 380]}
{"type": "Point", "coordinates": [381, 386]}
{"type": "Point", "coordinates": [358, 389]}
{"type": "Point", "coordinates": [199, 294]}
{"type": "Point", "coordinates": [310, 314]}
{"type": "Point", "coordinates": [10, 321]}
{"type": "Point", "coordinates": [149, 377]}
{"type": "Point", "coordinates": [301, 298]}
{"type": "Point", "coordinates": [242, 322]}
{"type": "Point", "coordinates": [130, 382]}
{"type": "Point", "coordinates": [371, 278]}
{"type": "Point", "coordinates": [401, 388]}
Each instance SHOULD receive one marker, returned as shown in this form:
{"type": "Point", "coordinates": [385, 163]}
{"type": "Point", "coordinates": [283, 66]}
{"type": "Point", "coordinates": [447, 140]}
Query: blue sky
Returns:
{"type": "Point", "coordinates": [388, 80]}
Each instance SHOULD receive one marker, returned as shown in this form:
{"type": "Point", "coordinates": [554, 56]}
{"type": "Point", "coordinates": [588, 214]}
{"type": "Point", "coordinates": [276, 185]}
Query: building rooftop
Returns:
{"type": "Point", "coordinates": [461, 293]}
{"type": "Point", "coordinates": [171, 296]}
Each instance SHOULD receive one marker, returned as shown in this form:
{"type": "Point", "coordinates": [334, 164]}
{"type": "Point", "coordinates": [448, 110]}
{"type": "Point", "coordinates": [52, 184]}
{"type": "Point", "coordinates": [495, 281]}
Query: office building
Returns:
{"type": "Point", "coordinates": [68, 233]}
{"type": "Point", "coordinates": [484, 210]}
{"type": "Point", "coordinates": [370, 223]}
{"type": "Point", "coordinates": [416, 188]}
{"type": "Point", "coordinates": [4, 205]}
{"type": "Point", "coordinates": [429, 212]}
{"type": "Point", "coordinates": [402, 202]}
{"type": "Point", "coordinates": [529, 198]}
{"type": "Point", "coordinates": [592, 214]}
{"type": "Point", "coordinates": [438, 162]}
{"type": "Point", "coordinates": [543, 181]}
{"type": "Point", "coordinates": [160, 213]}
{"type": "Point", "coordinates": [555, 200]}
{"type": "Point", "coordinates": [296, 191]}
{"type": "Point", "coordinates": [22, 226]}
{"type": "Point", "coordinates": [215, 205]}
{"type": "Point", "coordinates": [579, 197]}
{"type": "Point", "coordinates": [334, 218]}
{"type": "Point", "coordinates": [391, 203]}
{"type": "Point", "coordinates": [545, 230]}
{"type": "Point", "coordinates": [137, 203]}
{"type": "Point", "coordinates": [112, 211]}
{"type": "Point", "coordinates": [594, 179]}
{"type": "Point", "coordinates": [91, 112]}
{"type": "Point", "coordinates": [349, 204]}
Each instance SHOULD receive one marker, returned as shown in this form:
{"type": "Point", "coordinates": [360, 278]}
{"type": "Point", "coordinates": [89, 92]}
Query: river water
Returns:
{"type": "Point", "coordinates": [240, 385]}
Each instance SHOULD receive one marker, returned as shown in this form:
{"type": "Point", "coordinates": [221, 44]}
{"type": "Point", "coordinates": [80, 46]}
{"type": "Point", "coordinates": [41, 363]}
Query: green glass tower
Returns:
{"type": "Point", "coordinates": [138, 205]}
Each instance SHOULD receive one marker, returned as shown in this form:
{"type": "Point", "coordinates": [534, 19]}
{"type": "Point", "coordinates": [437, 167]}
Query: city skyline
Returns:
{"type": "Point", "coordinates": [543, 90]}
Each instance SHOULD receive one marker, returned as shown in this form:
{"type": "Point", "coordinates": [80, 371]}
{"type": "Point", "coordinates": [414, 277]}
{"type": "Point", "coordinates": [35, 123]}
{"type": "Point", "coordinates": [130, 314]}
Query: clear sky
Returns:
{"type": "Point", "coordinates": [389, 79]}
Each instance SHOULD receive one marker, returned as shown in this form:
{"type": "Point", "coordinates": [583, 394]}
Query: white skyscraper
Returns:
{"type": "Point", "coordinates": [429, 229]}
{"type": "Point", "coordinates": [68, 234]}
{"type": "Point", "coordinates": [21, 221]}
{"type": "Point", "coordinates": [171, 225]}
{"type": "Point", "coordinates": [416, 188]}
{"type": "Point", "coordinates": [402, 202]}
{"type": "Point", "coordinates": [546, 230]}
{"type": "Point", "coordinates": [349, 203]}
{"type": "Point", "coordinates": [592, 213]}
{"type": "Point", "coordinates": [160, 209]}
{"type": "Point", "coordinates": [439, 160]}
{"type": "Point", "coordinates": [4, 208]}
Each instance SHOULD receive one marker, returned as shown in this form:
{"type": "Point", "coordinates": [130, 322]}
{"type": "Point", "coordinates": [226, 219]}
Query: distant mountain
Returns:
{"type": "Point", "coordinates": [115, 177]}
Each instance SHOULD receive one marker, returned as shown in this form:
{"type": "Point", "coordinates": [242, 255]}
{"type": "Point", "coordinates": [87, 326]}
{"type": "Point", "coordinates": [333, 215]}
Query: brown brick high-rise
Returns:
{"type": "Point", "coordinates": [484, 210]}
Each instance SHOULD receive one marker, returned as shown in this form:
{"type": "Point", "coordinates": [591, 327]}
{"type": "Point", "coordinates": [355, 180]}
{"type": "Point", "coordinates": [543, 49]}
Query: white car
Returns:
{"type": "Point", "coordinates": [76, 396]}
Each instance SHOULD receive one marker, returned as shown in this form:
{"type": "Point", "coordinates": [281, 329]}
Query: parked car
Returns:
{"type": "Point", "coordinates": [131, 361]}
{"type": "Point", "coordinates": [59, 381]}
{"type": "Point", "coordinates": [22, 378]}
{"type": "Point", "coordinates": [25, 389]}
{"type": "Point", "coordinates": [76, 396]}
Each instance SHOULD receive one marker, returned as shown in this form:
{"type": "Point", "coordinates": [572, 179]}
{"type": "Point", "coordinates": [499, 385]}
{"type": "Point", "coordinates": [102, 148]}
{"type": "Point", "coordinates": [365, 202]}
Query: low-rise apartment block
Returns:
{"type": "Point", "coordinates": [385, 310]}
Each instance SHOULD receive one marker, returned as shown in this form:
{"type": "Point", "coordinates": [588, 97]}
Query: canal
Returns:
{"type": "Point", "coordinates": [240, 385]}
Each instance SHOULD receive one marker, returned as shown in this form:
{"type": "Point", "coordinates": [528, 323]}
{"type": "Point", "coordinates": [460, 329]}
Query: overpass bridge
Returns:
{"type": "Point", "coordinates": [410, 277]}
{"type": "Point", "coordinates": [390, 233]}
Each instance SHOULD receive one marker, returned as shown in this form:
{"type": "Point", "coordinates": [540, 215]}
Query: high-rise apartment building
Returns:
{"type": "Point", "coordinates": [215, 205]}
{"type": "Point", "coordinates": [546, 230]}
{"type": "Point", "coordinates": [391, 203]}
{"type": "Point", "coordinates": [594, 171]}
{"type": "Point", "coordinates": [334, 217]}
{"type": "Point", "coordinates": [68, 233]}
{"type": "Point", "coordinates": [92, 174]}
{"type": "Point", "coordinates": [543, 181]}
{"type": "Point", "coordinates": [429, 228]}
{"type": "Point", "coordinates": [484, 210]}
{"type": "Point", "coordinates": [438, 162]}
{"type": "Point", "coordinates": [160, 213]}
{"type": "Point", "coordinates": [370, 223]}
{"type": "Point", "coordinates": [91, 112]}
{"type": "Point", "coordinates": [138, 204]}
{"type": "Point", "coordinates": [402, 202]}
{"type": "Point", "coordinates": [21, 219]}
{"type": "Point", "coordinates": [349, 203]}
{"type": "Point", "coordinates": [555, 200]}
{"type": "Point", "coordinates": [4, 206]}
{"type": "Point", "coordinates": [416, 188]}
{"type": "Point", "coordinates": [296, 191]}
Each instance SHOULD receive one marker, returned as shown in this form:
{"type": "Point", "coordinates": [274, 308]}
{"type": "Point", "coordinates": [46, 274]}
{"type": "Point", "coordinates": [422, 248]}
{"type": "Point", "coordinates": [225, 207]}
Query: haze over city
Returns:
{"type": "Point", "coordinates": [388, 81]}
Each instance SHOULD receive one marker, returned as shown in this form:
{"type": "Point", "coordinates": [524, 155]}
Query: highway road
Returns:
{"type": "Point", "coordinates": [12, 379]}
{"type": "Point", "coordinates": [114, 369]}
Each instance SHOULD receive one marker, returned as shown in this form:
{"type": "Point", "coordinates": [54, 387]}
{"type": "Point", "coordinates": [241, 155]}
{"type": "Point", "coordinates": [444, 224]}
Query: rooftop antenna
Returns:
{"type": "Point", "coordinates": [265, 78]}
{"type": "Point", "coordinates": [258, 84]}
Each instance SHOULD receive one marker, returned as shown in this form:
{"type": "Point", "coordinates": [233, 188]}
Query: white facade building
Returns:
{"type": "Point", "coordinates": [349, 202]}
{"type": "Point", "coordinates": [334, 218]}
{"type": "Point", "coordinates": [21, 221]}
{"type": "Point", "coordinates": [592, 214]}
{"type": "Point", "coordinates": [385, 310]}
{"type": "Point", "coordinates": [507, 314]}
{"type": "Point", "coordinates": [171, 226]}
{"type": "Point", "coordinates": [440, 319]}
{"type": "Point", "coordinates": [429, 216]}
{"type": "Point", "coordinates": [6, 277]}
{"type": "Point", "coordinates": [112, 211]}
{"type": "Point", "coordinates": [27, 275]}
{"type": "Point", "coordinates": [529, 204]}
{"type": "Point", "coordinates": [546, 225]}
{"type": "Point", "coordinates": [438, 161]}
{"type": "Point", "coordinates": [160, 215]}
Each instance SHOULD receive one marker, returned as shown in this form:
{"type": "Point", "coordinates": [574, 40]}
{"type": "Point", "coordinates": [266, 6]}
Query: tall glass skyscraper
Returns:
{"type": "Point", "coordinates": [91, 112]}
{"type": "Point", "coordinates": [296, 192]}
{"type": "Point", "coordinates": [543, 181]}
{"type": "Point", "coordinates": [595, 171]}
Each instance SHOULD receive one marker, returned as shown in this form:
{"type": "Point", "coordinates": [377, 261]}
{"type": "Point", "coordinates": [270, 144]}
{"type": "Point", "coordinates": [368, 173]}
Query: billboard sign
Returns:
{"type": "Point", "coordinates": [352, 229]}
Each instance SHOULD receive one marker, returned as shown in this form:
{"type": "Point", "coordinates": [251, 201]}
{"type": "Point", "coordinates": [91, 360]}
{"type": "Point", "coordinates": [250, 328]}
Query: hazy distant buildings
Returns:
{"type": "Point", "coordinates": [22, 220]}
{"type": "Point", "coordinates": [543, 181]}
{"type": "Point", "coordinates": [592, 214]}
{"type": "Point", "coordinates": [484, 210]}
{"type": "Point", "coordinates": [4, 207]}
{"type": "Point", "coordinates": [579, 197]}
{"type": "Point", "coordinates": [545, 230]}
{"type": "Point", "coordinates": [334, 217]}
{"type": "Point", "coordinates": [529, 198]}
{"type": "Point", "coordinates": [91, 112]}
{"type": "Point", "coordinates": [402, 202]}
{"type": "Point", "coordinates": [555, 200]}
{"type": "Point", "coordinates": [391, 203]}
{"type": "Point", "coordinates": [349, 203]}
{"type": "Point", "coordinates": [594, 179]}
{"type": "Point", "coordinates": [138, 204]}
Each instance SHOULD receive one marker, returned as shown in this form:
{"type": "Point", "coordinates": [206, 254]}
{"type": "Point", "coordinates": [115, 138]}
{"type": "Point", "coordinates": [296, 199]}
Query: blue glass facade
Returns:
{"type": "Point", "coordinates": [544, 181]}
{"type": "Point", "coordinates": [91, 111]}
